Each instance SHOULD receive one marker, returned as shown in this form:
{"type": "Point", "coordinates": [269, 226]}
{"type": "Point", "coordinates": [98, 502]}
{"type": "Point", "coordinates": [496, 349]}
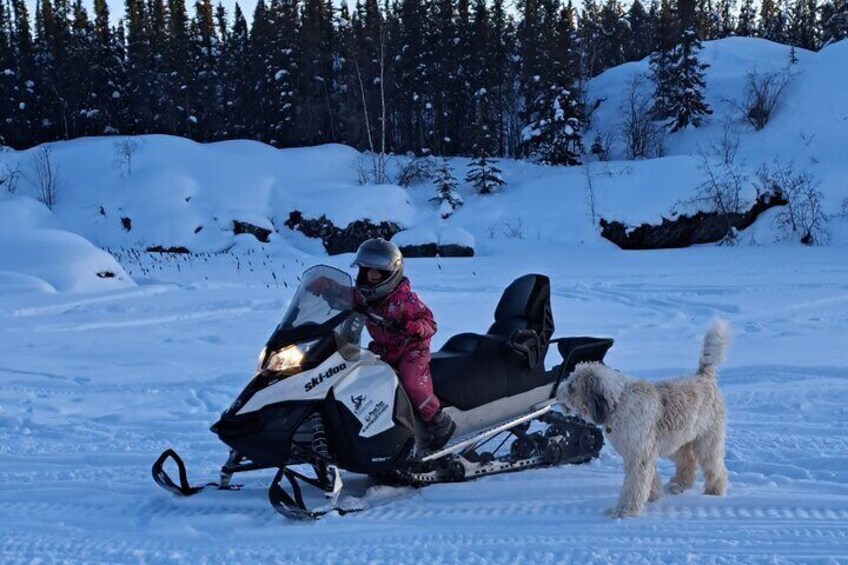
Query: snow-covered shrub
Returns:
{"type": "Point", "coordinates": [447, 198]}
{"type": "Point", "coordinates": [125, 149]}
{"type": "Point", "coordinates": [371, 168]}
{"type": "Point", "coordinates": [419, 169]}
{"type": "Point", "coordinates": [721, 192]}
{"type": "Point", "coordinates": [45, 176]}
{"type": "Point", "coordinates": [510, 230]}
{"type": "Point", "coordinates": [601, 146]}
{"type": "Point", "coordinates": [762, 94]}
{"type": "Point", "coordinates": [9, 177]}
{"type": "Point", "coordinates": [643, 137]}
{"type": "Point", "coordinates": [803, 216]}
{"type": "Point", "coordinates": [728, 146]}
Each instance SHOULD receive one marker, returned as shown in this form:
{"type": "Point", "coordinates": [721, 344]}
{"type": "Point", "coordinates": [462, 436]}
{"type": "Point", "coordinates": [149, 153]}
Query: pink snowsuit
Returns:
{"type": "Point", "coordinates": [408, 350]}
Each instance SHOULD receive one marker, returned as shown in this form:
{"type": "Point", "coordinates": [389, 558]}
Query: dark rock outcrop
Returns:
{"type": "Point", "coordinates": [261, 234]}
{"type": "Point", "coordinates": [340, 240]}
{"type": "Point", "coordinates": [455, 250]}
{"type": "Point", "coordinates": [436, 250]}
{"type": "Point", "coordinates": [161, 249]}
{"type": "Point", "coordinates": [421, 250]}
{"type": "Point", "coordinates": [683, 231]}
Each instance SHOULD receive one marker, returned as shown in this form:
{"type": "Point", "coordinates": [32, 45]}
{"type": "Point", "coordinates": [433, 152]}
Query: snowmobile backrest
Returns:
{"type": "Point", "coordinates": [525, 307]}
{"type": "Point", "coordinates": [525, 304]}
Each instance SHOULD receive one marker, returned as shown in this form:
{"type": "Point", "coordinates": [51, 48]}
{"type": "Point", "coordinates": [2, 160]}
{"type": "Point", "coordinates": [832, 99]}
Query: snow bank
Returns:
{"type": "Point", "coordinates": [55, 260]}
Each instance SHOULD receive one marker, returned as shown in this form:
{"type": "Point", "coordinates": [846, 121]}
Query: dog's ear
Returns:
{"type": "Point", "coordinates": [596, 401]}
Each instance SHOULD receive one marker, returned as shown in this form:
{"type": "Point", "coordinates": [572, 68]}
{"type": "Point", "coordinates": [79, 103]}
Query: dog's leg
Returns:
{"type": "Point", "coordinates": [656, 487]}
{"type": "Point", "coordinates": [638, 469]}
{"type": "Point", "coordinates": [684, 470]}
{"type": "Point", "coordinates": [709, 450]}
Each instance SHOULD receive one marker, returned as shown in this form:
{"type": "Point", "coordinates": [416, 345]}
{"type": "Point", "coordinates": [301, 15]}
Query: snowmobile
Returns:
{"type": "Point", "coordinates": [319, 403]}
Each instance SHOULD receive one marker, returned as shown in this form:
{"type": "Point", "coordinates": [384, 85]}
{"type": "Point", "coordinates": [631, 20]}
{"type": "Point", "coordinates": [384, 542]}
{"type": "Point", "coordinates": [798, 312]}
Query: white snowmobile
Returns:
{"type": "Point", "coordinates": [320, 402]}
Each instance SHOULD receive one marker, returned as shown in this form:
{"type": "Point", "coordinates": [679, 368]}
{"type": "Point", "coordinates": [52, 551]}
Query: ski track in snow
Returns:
{"type": "Point", "coordinates": [93, 388]}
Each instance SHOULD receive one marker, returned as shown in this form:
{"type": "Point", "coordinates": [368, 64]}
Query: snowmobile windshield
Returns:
{"type": "Point", "coordinates": [322, 303]}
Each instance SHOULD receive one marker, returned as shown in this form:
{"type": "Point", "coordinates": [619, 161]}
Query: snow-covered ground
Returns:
{"type": "Point", "coordinates": [109, 354]}
{"type": "Point", "coordinates": [93, 387]}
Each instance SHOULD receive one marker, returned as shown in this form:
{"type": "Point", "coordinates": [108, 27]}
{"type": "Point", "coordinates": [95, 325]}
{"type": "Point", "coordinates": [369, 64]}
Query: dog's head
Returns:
{"type": "Point", "coordinates": [592, 391]}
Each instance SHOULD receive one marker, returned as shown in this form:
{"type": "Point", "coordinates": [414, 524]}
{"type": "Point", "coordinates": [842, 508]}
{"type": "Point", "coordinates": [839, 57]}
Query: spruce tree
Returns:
{"type": "Point", "coordinates": [447, 198]}
{"type": "Point", "coordinates": [142, 92]}
{"type": "Point", "coordinates": [109, 74]}
{"type": "Point", "coordinates": [834, 19]}
{"type": "Point", "coordinates": [315, 120]}
{"type": "Point", "coordinates": [772, 23]}
{"type": "Point", "coordinates": [503, 70]}
{"type": "Point", "coordinates": [26, 93]}
{"type": "Point", "coordinates": [686, 102]}
{"type": "Point", "coordinates": [590, 38]}
{"type": "Point", "coordinates": [639, 37]}
{"type": "Point", "coordinates": [804, 25]}
{"type": "Point", "coordinates": [444, 67]}
{"type": "Point", "coordinates": [727, 19]}
{"type": "Point", "coordinates": [746, 22]}
{"type": "Point", "coordinates": [414, 72]}
{"type": "Point", "coordinates": [613, 36]}
{"type": "Point", "coordinates": [173, 49]}
{"type": "Point", "coordinates": [205, 109]}
{"type": "Point", "coordinates": [484, 175]}
{"type": "Point", "coordinates": [7, 79]}
{"type": "Point", "coordinates": [84, 94]}
{"type": "Point", "coordinates": [483, 131]}
{"type": "Point", "coordinates": [237, 81]}
{"type": "Point", "coordinates": [662, 59]}
{"type": "Point", "coordinates": [280, 74]}
{"type": "Point", "coordinates": [552, 130]}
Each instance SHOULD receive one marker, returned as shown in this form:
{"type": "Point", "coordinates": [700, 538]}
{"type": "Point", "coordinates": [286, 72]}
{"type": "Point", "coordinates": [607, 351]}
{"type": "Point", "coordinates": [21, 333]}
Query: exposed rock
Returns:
{"type": "Point", "coordinates": [340, 240]}
{"type": "Point", "coordinates": [161, 249]}
{"type": "Point", "coordinates": [106, 275]}
{"type": "Point", "coordinates": [455, 250]}
{"type": "Point", "coordinates": [703, 227]}
{"type": "Point", "coordinates": [126, 223]}
{"type": "Point", "coordinates": [261, 234]}
{"type": "Point", "coordinates": [421, 250]}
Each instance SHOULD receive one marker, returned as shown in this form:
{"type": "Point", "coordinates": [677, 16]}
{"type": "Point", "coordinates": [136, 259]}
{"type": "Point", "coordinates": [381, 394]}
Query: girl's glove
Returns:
{"type": "Point", "coordinates": [392, 325]}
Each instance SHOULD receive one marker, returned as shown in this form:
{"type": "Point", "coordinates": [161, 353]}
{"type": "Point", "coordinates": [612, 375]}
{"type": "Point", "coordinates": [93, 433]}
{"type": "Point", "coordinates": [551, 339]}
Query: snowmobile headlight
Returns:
{"type": "Point", "coordinates": [262, 355]}
{"type": "Point", "coordinates": [289, 357]}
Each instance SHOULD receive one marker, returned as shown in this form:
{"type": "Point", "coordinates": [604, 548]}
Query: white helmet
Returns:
{"type": "Point", "coordinates": [384, 256]}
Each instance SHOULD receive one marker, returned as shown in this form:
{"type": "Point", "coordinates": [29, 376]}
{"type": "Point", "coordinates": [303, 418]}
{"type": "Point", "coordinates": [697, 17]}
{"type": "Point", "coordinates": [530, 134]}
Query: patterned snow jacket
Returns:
{"type": "Point", "coordinates": [414, 321]}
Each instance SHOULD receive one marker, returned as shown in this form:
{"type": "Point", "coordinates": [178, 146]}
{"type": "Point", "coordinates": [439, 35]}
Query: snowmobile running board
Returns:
{"type": "Point", "coordinates": [488, 434]}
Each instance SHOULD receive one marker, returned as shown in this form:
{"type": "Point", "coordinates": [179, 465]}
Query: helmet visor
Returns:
{"type": "Point", "coordinates": [369, 276]}
{"type": "Point", "coordinates": [374, 256]}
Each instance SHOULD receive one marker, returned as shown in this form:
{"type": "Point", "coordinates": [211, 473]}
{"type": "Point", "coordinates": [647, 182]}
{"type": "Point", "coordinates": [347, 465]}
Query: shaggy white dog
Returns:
{"type": "Point", "coordinates": [682, 419]}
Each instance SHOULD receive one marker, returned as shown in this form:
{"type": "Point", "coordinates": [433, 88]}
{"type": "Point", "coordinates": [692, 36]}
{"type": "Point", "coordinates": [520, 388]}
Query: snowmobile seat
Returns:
{"type": "Point", "coordinates": [471, 370]}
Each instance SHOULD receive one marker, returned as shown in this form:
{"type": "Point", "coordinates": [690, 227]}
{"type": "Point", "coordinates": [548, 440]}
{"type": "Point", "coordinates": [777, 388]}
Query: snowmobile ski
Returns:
{"type": "Point", "coordinates": [162, 478]}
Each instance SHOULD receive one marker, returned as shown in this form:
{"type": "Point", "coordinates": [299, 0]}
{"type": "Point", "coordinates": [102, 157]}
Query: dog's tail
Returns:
{"type": "Point", "coordinates": [715, 344]}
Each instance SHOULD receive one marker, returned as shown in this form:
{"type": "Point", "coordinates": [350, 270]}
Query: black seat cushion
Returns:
{"type": "Point", "coordinates": [474, 369]}
{"type": "Point", "coordinates": [469, 371]}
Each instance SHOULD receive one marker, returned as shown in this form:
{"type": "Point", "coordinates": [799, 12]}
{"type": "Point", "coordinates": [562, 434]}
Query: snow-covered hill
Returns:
{"type": "Point", "coordinates": [171, 192]}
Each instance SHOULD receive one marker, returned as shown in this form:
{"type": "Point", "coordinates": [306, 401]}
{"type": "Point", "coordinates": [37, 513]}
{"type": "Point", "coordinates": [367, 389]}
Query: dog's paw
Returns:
{"type": "Point", "coordinates": [619, 512]}
{"type": "Point", "coordinates": [673, 488]}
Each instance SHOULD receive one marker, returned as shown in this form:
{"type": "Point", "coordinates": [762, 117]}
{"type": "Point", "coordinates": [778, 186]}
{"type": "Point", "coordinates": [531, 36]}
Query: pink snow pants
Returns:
{"type": "Point", "coordinates": [413, 369]}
